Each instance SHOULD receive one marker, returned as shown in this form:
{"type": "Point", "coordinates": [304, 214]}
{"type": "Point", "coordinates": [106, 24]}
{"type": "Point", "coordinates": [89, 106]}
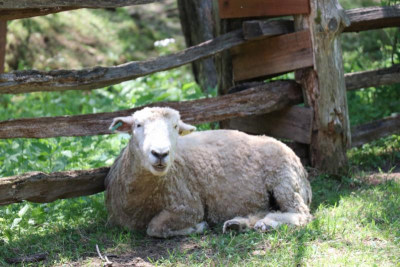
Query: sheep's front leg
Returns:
{"type": "Point", "coordinates": [169, 223]}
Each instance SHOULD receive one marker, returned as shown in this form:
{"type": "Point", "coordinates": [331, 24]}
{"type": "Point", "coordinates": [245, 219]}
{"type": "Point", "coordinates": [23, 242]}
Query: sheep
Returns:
{"type": "Point", "coordinates": [172, 181]}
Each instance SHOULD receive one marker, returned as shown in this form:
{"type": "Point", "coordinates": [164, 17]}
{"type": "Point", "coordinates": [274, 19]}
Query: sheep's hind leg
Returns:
{"type": "Point", "coordinates": [293, 211]}
{"type": "Point", "coordinates": [240, 224]}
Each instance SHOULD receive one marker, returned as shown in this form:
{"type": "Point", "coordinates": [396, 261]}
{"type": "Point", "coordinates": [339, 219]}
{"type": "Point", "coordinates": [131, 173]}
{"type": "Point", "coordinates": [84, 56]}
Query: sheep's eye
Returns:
{"type": "Point", "coordinates": [175, 126]}
{"type": "Point", "coordinates": [139, 125]}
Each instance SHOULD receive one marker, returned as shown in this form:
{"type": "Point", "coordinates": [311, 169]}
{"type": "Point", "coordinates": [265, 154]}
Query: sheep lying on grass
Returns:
{"type": "Point", "coordinates": [174, 183]}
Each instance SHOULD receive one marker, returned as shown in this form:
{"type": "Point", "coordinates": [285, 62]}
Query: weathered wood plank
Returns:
{"type": "Point", "coordinates": [263, 99]}
{"type": "Point", "coordinates": [60, 80]}
{"type": "Point", "coordinates": [27, 4]}
{"type": "Point", "coordinates": [11, 14]}
{"type": "Point", "coordinates": [324, 86]}
{"type": "Point", "coordinates": [301, 150]}
{"type": "Point", "coordinates": [369, 18]}
{"type": "Point", "coordinates": [196, 17]}
{"type": "Point", "coordinates": [365, 79]}
{"type": "Point", "coordinates": [374, 130]}
{"type": "Point", "coordinates": [3, 44]}
{"type": "Point", "coordinates": [253, 29]}
{"type": "Point", "coordinates": [274, 55]}
{"type": "Point", "coordinates": [257, 8]}
{"type": "Point", "coordinates": [294, 123]}
{"type": "Point", "coordinates": [42, 187]}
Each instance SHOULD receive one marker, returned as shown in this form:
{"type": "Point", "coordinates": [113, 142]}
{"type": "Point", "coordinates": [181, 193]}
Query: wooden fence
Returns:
{"type": "Point", "coordinates": [258, 48]}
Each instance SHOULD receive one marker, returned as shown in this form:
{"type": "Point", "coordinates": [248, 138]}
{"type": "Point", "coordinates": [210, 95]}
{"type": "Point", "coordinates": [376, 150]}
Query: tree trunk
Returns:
{"type": "Point", "coordinates": [324, 85]}
{"type": "Point", "coordinates": [197, 25]}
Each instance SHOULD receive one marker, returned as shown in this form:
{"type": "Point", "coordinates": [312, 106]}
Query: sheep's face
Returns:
{"type": "Point", "coordinates": [155, 133]}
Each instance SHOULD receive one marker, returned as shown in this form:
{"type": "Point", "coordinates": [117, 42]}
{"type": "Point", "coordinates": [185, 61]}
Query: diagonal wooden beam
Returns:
{"type": "Point", "coordinates": [370, 18]}
{"type": "Point", "coordinates": [259, 100]}
{"type": "Point", "coordinates": [26, 4]}
{"type": "Point", "coordinates": [60, 80]}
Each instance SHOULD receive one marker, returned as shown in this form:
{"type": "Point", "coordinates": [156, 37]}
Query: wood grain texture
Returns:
{"type": "Point", "coordinates": [196, 17]}
{"type": "Point", "coordinates": [27, 4]}
{"type": "Point", "coordinates": [60, 80]}
{"type": "Point", "coordinates": [274, 55]}
{"type": "Point", "coordinates": [257, 8]}
{"type": "Point", "coordinates": [324, 86]}
{"type": "Point", "coordinates": [369, 18]}
{"type": "Point", "coordinates": [11, 14]}
{"type": "Point", "coordinates": [253, 29]}
{"type": "Point", "coordinates": [294, 123]}
{"type": "Point", "coordinates": [263, 99]}
{"type": "Point", "coordinates": [42, 187]}
{"type": "Point", "coordinates": [3, 44]}
{"type": "Point", "coordinates": [365, 79]}
{"type": "Point", "coordinates": [368, 132]}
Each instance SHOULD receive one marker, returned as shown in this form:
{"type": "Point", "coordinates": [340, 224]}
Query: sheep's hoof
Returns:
{"type": "Point", "coordinates": [232, 225]}
{"type": "Point", "coordinates": [262, 226]}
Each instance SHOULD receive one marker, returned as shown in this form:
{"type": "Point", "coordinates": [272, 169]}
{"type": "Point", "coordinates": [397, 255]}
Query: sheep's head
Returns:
{"type": "Point", "coordinates": [155, 134]}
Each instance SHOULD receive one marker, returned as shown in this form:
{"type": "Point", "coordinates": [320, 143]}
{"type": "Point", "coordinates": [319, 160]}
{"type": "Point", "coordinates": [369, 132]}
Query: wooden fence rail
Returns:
{"type": "Point", "coordinates": [368, 132]}
{"type": "Point", "coordinates": [93, 124]}
{"type": "Point", "coordinates": [370, 18]}
{"type": "Point", "coordinates": [262, 99]}
{"type": "Point", "coordinates": [365, 79]}
{"type": "Point", "coordinates": [27, 4]}
{"type": "Point", "coordinates": [41, 187]}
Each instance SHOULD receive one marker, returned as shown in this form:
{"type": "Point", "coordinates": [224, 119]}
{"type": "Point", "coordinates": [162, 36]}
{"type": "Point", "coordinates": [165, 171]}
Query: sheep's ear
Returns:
{"type": "Point", "coordinates": [185, 129]}
{"type": "Point", "coordinates": [122, 124]}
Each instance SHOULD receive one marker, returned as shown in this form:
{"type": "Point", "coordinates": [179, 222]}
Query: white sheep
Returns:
{"type": "Point", "coordinates": [174, 185]}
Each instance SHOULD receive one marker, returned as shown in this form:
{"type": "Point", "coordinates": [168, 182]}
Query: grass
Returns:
{"type": "Point", "coordinates": [357, 218]}
{"type": "Point", "coordinates": [355, 224]}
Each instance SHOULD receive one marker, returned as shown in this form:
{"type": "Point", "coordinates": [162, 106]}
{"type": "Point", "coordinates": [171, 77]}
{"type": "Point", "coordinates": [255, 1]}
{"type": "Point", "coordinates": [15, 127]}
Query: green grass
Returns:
{"type": "Point", "coordinates": [355, 224]}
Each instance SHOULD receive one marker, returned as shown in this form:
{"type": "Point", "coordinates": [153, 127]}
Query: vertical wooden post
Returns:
{"type": "Point", "coordinates": [324, 85]}
{"type": "Point", "coordinates": [196, 18]}
{"type": "Point", "coordinates": [3, 42]}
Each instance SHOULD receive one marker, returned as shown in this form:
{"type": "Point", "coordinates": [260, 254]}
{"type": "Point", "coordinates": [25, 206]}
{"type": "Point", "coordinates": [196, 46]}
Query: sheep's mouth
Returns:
{"type": "Point", "coordinates": [159, 168]}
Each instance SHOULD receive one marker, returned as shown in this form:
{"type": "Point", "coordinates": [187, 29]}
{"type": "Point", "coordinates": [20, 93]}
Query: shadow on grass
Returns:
{"type": "Point", "coordinates": [76, 243]}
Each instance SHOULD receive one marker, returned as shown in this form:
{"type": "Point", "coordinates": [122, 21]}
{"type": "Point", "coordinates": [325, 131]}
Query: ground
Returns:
{"type": "Point", "coordinates": [345, 236]}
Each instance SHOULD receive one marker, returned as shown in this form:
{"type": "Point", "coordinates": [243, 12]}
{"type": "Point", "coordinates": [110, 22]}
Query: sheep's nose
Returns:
{"type": "Point", "coordinates": [159, 155]}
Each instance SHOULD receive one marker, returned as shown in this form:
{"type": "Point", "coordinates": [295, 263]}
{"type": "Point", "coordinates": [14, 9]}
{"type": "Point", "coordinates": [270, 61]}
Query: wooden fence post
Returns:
{"type": "Point", "coordinates": [324, 85]}
{"type": "Point", "coordinates": [3, 43]}
{"type": "Point", "coordinates": [196, 18]}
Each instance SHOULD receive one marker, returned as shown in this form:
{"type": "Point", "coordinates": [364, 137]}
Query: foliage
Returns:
{"type": "Point", "coordinates": [55, 154]}
{"type": "Point", "coordinates": [85, 38]}
{"type": "Point", "coordinates": [371, 50]}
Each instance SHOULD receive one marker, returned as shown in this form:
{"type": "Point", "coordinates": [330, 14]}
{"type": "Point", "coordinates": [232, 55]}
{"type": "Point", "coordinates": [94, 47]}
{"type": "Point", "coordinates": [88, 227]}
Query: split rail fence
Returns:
{"type": "Point", "coordinates": [261, 48]}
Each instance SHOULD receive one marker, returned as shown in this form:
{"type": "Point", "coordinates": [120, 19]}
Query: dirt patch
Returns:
{"type": "Point", "coordinates": [144, 252]}
{"type": "Point", "coordinates": [380, 178]}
